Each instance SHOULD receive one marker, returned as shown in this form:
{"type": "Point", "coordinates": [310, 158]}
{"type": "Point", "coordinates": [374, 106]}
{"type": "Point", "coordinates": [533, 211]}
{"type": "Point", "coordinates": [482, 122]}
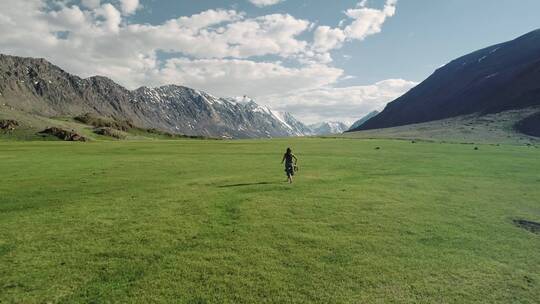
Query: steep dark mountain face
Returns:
{"type": "Point", "coordinates": [39, 87]}
{"type": "Point", "coordinates": [498, 78]}
{"type": "Point", "coordinates": [364, 119]}
{"type": "Point", "coordinates": [530, 125]}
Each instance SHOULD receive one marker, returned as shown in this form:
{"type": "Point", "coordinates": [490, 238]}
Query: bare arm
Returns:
{"type": "Point", "coordinates": [283, 159]}
{"type": "Point", "coordinates": [295, 159]}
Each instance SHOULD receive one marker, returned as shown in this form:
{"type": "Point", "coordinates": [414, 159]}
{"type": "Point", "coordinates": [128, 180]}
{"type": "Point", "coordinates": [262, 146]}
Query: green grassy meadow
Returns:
{"type": "Point", "coordinates": [193, 221]}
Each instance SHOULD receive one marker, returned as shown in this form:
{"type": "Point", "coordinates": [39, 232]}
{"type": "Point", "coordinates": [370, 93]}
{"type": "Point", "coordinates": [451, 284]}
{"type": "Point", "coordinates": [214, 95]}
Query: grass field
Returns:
{"type": "Point", "coordinates": [214, 222]}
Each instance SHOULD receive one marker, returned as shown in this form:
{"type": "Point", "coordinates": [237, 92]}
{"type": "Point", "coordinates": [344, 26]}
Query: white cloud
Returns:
{"type": "Point", "coordinates": [99, 43]}
{"type": "Point", "coordinates": [365, 22]}
{"type": "Point", "coordinates": [368, 21]}
{"type": "Point", "coordinates": [68, 18]}
{"type": "Point", "coordinates": [129, 6]}
{"type": "Point", "coordinates": [221, 34]}
{"type": "Point", "coordinates": [218, 51]}
{"type": "Point", "coordinates": [225, 77]}
{"type": "Point", "coordinates": [112, 17]}
{"type": "Point", "coordinates": [346, 104]}
{"type": "Point", "coordinates": [261, 3]}
{"type": "Point", "coordinates": [6, 20]}
{"type": "Point", "coordinates": [327, 38]}
{"type": "Point", "coordinates": [205, 19]}
{"type": "Point", "coordinates": [92, 4]}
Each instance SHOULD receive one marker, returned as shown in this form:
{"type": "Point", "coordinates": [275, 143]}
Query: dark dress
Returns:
{"type": "Point", "coordinates": [289, 166]}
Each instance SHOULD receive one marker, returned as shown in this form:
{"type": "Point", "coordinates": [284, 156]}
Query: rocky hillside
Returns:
{"type": "Point", "coordinates": [495, 79]}
{"type": "Point", "coordinates": [38, 87]}
{"type": "Point", "coordinates": [497, 128]}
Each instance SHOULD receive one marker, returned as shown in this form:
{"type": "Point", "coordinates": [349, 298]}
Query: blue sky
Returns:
{"type": "Point", "coordinates": [423, 34]}
{"type": "Point", "coordinates": [318, 59]}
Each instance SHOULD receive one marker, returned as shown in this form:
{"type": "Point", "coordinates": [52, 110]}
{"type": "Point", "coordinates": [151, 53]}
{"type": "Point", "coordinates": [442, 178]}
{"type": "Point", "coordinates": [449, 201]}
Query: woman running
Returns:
{"type": "Point", "coordinates": [289, 166]}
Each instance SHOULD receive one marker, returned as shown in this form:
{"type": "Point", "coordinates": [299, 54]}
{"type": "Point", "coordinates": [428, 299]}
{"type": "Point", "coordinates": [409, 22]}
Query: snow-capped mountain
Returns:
{"type": "Point", "coordinates": [191, 111]}
{"type": "Point", "coordinates": [37, 86]}
{"type": "Point", "coordinates": [328, 127]}
{"type": "Point", "coordinates": [295, 124]}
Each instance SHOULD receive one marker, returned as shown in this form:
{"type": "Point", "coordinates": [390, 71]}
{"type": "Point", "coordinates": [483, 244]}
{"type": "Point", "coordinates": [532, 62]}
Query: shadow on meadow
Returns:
{"type": "Point", "coordinates": [247, 185]}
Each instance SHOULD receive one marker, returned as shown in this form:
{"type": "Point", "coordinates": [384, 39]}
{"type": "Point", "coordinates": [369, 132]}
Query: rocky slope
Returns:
{"type": "Point", "coordinates": [495, 79]}
{"type": "Point", "coordinates": [497, 128]}
{"type": "Point", "coordinates": [38, 87]}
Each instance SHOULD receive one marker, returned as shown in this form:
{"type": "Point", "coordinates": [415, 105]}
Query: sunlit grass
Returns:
{"type": "Point", "coordinates": [215, 222]}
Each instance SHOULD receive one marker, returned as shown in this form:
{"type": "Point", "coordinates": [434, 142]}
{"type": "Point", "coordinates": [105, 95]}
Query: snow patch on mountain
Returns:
{"type": "Point", "coordinates": [329, 127]}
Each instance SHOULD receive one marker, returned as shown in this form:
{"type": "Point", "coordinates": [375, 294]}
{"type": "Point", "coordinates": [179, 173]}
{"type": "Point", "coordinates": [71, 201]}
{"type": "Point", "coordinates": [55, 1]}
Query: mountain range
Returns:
{"type": "Point", "coordinates": [328, 127]}
{"type": "Point", "coordinates": [38, 87]}
{"type": "Point", "coordinates": [498, 78]}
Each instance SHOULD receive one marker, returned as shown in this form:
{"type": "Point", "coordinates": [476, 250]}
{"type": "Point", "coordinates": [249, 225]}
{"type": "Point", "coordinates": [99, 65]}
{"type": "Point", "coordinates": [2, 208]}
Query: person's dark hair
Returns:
{"type": "Point", "coordinates": [289, 151]}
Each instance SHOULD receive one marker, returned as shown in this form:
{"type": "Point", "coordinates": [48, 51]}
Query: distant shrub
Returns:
{"type": "Point", "coordinates": [8, 124]}
{"type": "Point", "coordinates": [172, 135]}
{"type": "Point", "coordinates": [102, 122]}
{"type": "Point", "coordinates": [110, 132]}
{"type": "Point", "coordinates": [111, 127]}
{"type": "Point", "coordinates": [63, 134]}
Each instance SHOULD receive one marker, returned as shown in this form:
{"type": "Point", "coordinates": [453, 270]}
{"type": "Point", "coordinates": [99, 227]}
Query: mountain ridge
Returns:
{"type": "Point", "coordinates": [364, 119]}
{"type": "Point", "coordinates": [39, 87]}
{"type": "Point", "coordinates": [497, 78]}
